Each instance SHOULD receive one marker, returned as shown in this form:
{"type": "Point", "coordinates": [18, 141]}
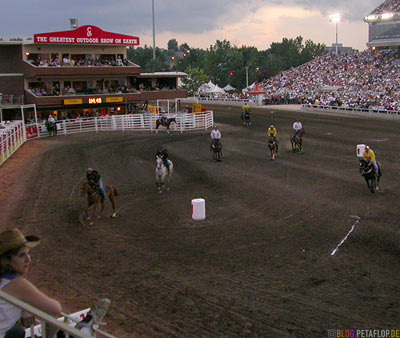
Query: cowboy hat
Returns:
{"type": "Point", "coordinates": [14, 239]}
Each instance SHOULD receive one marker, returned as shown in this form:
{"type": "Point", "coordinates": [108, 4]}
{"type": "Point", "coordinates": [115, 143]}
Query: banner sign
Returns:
{"type": "Point", "coordinates": [94, 100]}
{"type": "Point", "coordinates": [73, 101]}
{"type": "Point", "coordinates": [31, 132]}
{"type": "Point", "coordinates": [86, 35]}
{"type": "Point", "coordinates": [115, 99]}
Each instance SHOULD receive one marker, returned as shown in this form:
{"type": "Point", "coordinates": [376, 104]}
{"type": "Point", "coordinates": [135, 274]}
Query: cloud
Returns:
{"type": "Point", "coordinates": [200, 23]}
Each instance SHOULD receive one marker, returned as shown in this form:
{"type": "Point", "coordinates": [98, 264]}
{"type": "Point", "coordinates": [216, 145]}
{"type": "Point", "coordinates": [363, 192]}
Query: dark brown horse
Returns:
{"type": "Point", "coordinates": [217, 150]}
{"type": "Point", "coordinates": [93, 198]}
{"type": "Point", "coordinates": [368, 172]}
{"type": "Point", "coordinates": [297, 141]}
{"type": "Point", "coordinates": [166, 122]}
{"type": "Point", "coordinates": [273, 147]}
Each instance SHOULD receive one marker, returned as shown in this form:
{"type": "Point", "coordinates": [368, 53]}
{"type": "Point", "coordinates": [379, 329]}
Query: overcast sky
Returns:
{"type": "Point", "coordinates": [199, 23]}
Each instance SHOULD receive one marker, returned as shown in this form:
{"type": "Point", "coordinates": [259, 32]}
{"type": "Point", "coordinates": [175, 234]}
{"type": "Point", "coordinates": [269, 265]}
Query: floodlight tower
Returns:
{"type": "Point", "coordinates": [335, 18]}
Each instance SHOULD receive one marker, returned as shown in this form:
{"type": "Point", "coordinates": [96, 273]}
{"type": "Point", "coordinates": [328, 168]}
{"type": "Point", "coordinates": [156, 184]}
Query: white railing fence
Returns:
{"type": "Point", "coordinates": [47, 320]}
{"type": "Point", "coordinates": [12, 136]}
{"type": "Point", "coordinates": [146, 122]}
{"type": "Point", "coordinates": [358, 111]}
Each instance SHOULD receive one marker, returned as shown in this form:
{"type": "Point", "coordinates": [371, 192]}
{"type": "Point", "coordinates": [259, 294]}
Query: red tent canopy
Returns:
{"type": "Point", "coordinates": [256, 90]}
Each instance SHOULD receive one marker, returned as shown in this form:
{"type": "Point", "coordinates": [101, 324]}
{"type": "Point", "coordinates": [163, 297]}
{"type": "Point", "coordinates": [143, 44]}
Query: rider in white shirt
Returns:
{"type": "Point", "coordinates": [297, 126]}
{"type": "Point", "coordinates": [215, 135]}
{"type": "Point", "coordinates": [51, 119]}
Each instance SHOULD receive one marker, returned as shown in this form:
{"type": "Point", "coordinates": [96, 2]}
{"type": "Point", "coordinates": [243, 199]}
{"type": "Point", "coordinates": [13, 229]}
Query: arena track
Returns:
{"type": "Point", "coordinates": [260, 265]}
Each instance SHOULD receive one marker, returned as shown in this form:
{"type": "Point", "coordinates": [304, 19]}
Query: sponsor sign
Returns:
{"type": "Point", "coordinates": [73, 101]}
{"type": "Point", "coordinates": [115, 99]}
{"type": "Point", "coordinates": [31, 132]}
{"type": "Point", "coordinates": [196, 108]}
{"type": "Point", "coordinates": [86, 35]}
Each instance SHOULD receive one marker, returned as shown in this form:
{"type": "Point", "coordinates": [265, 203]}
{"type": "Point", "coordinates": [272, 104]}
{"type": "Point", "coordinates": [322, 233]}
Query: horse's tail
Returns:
{"type": "Point", "coordinates": [115, 192]}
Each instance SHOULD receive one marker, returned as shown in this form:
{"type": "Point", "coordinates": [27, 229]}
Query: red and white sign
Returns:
{"type": "Point", "coordinates": [86, 35]}
{"type": "Point", "coordinates": [31, 132]}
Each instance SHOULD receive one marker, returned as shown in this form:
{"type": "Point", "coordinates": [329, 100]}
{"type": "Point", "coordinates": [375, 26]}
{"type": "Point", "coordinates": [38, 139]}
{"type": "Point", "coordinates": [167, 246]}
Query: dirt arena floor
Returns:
{"type": "Point", "coordinates": [260, 265]}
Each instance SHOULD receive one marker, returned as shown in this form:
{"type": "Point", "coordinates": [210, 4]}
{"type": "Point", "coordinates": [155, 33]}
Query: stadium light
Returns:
{"type": "Point", "coordinates": [335, 18]}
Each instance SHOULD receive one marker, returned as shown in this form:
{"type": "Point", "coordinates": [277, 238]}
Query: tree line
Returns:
{"type": "Point", "coordinates": [224, 63]}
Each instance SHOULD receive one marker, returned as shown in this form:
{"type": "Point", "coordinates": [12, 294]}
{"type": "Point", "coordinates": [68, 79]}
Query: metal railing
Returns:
{"type": "Point", "coordinates": [49, 321]}
{"type": "Point", "coordinates": [225, 99]}
{"type": "Point", "coordinates": [12, 136]}
{"type": "Point", "coordinates": [360, 111]}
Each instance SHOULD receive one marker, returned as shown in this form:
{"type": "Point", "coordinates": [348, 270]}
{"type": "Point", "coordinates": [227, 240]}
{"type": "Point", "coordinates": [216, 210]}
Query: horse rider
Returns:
{"type": "Point", "coordinates": [51, 119]}
{"type": "Point", "coordinates": [272, 133]}
{"type": "Point", "coordinates": [95, 181]}
{"type": "Point", "coordinates": [163, 154]}
{"type": "Point", "coordinates": [163, 120]}
{"type": "Point", "coordinates": [369, 156]}
{"type": "Point", "coordinates": [297, 126]}
{"type": "Point", "coordinates": [245, 110]}
{"type": "Point", "coordinates": [215, 136]}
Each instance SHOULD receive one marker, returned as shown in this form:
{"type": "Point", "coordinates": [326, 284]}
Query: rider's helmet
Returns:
{"type": "Point", "coordinates": [89, 170]}
{"type": "Point", "coordinates": [271, 126]}
{"type": "Point", "coordinates": [215, 126]}
{"type": "Point", "coordinates": [366, 147]}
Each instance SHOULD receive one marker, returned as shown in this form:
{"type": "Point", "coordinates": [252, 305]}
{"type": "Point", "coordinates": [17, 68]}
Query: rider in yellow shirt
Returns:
{"type": "Point", "coordinates": [272, 133]}
{"type": "Point", "coordinates": [245, 109]}
{"type": "Point", "coordinates": [369, 156]}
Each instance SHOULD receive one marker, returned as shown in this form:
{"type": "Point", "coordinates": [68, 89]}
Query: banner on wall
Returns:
{"type": "Point", "coordinates": [86, 35]}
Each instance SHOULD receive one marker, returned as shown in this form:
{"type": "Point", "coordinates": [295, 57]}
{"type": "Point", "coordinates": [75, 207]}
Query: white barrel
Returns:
{"type": "Point", "coordinates": [360, 150]}
{"type": "Point", "coordinates": [198, 209]}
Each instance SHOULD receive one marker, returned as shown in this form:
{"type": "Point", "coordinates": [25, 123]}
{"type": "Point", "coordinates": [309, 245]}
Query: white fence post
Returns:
{"type": "Point", "coordinates": [95, 123]}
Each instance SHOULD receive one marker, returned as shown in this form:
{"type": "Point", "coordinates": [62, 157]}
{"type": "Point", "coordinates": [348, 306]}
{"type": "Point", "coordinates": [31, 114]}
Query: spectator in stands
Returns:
{"type": "Point", "coordinates": [14, 264]}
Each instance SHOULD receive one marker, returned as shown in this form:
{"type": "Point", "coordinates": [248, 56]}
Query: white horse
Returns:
{"type": "Point", "coordinates": [162, 174]}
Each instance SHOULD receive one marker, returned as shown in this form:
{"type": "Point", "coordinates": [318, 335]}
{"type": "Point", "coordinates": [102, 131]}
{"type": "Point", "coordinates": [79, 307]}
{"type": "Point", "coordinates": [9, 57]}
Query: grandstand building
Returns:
{"type": "Point", "coordinates": [79, 72]}
{"type": "Point", "coordinates": [384, 25]}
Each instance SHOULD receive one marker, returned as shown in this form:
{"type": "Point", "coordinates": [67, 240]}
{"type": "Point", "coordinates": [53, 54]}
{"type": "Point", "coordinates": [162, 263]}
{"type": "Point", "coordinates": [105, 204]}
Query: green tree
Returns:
{"type": "Point", "coordinates": [173, 45]}
{"type": "Point", "coordinates": [196, 77]}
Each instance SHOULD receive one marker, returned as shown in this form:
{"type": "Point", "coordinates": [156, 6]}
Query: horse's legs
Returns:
{"type": "Point", "coordinates": [101, 209]}
{"type": "Point", "coordinates": [92, 213]}
{"type": "Point", "coordinates": [114, 214]}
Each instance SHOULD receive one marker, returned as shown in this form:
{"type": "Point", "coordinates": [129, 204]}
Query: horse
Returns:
{"type": "Point", "coordinates": [217, 150]}
{"type": "Point", "coordinates": [165, 122]}
{"type": "Point", "coordinates": [297, 141]}
{"type": "Point", "coordinates": [93, 198]}
{"type": "Point", "coordinates": [368, 172]}
{"type": "Point", "coordinates": [272, 147]}
{"type": "Point", "coordinates": [163, 175]}
{"type": "Point", "coordinates": [246, 118]}
{"type": "Point", "coordinates": [51, 128]}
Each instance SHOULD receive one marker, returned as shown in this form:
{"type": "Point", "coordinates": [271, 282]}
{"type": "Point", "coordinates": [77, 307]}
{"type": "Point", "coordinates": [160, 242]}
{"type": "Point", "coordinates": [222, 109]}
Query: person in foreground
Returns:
{"type": "Point", "coordinates": [14, 264]}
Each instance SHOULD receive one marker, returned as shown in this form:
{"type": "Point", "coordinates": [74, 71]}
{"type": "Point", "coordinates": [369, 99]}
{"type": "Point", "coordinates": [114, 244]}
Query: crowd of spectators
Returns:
{"type": "Point", "coordinates": [223, 97]}
{"type": "Point", "coordinates": [81, 61]}
{"type": "Point", "coordinates": [387, 6]}
{"type": "Point", "coordinates": [369, 79]}
{"type": "Point", "coordinates": [43, 90]}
